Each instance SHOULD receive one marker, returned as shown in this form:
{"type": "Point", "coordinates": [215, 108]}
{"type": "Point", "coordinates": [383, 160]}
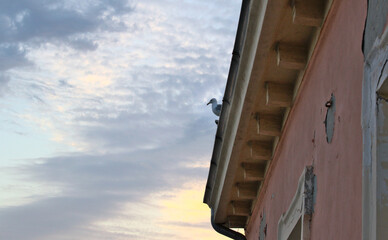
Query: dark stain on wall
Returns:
{"type": "Point", "coordinates": [330, 118]}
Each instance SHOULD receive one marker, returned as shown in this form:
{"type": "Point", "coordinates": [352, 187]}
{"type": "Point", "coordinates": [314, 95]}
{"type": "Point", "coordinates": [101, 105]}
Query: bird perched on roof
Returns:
{"type": "Point", "coordinates": [216, 108]}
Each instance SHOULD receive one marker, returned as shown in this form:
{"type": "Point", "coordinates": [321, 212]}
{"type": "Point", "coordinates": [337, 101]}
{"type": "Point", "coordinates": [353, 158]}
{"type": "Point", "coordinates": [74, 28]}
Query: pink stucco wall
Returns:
{"type": "Point", "coordinates": [336, 67]}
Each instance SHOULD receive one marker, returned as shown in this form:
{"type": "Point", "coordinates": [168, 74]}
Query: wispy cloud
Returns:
{"type": "Point", "coordinates": [94, 188]}
{"type": "Point", "coordinates": [42, 21]}
{"type": "Point", "coordinates": [120, 86]}
{"type": "Point", "coordinates": [4, 79]}
{"type": "Point", "coordinates": [12, 56]}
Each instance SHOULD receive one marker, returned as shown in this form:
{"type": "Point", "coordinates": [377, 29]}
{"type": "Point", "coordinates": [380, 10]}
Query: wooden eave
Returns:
{"type": "Point", "coordinates": [287, 40]}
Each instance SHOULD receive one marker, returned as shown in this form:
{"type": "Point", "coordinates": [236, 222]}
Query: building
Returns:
{"type": "Point", "coordinates": [301, 148]}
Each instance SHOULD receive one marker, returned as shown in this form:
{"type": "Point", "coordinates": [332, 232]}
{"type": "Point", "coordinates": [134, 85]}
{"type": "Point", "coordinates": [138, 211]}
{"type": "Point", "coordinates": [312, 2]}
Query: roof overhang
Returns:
{"type": "Point", "coordinates": [278, 42]}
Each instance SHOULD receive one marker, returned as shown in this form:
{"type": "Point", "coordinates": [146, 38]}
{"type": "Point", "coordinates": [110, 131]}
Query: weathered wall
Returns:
{"type": "Point", "coordinates": [336, 67]}
{"type": "Point", "coordinates": [374, 122]}
{"type": "Point", "coordinates": [376, 22]}
{"type": "Point", "coordinates": [382, 164]}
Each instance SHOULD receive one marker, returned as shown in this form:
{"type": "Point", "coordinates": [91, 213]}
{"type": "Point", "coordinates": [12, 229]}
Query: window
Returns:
{"type": "Point", "coordinates": [295, 223]}
{"type": "Point", "coordinates": [296, 233]}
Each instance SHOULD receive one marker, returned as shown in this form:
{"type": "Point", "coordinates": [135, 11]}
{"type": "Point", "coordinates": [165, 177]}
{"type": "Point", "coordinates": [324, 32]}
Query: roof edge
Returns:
{"type": "Point", "coordinates": [226, 102]}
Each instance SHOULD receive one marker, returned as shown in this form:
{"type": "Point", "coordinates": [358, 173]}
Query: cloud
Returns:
{"type": "Point", "coordinates": [157, 127]}
{"type": "Point", "coordinates": [127, 88]}
{"type": "Point", "coordinates": [63, 83]}
{"type": "Point", "coordinates": [4, 79]}
{"type": "Point", "coordinates": [49, 216]}
{"type": "Point", "coordinates": [24, 20]}
{"type": "Point", "coordinates": [95, 188]}
{"type": "Point", "coordinates": [186, 224]}
{"type": "Point", "coordinates": [12, 56]}
{"type": "Point", "coordinates": [83, 45]}
{"type": "Point", "coordinates": [26, 25]}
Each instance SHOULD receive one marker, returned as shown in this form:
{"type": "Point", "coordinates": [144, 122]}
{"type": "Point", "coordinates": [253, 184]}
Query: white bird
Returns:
{"type": "Point", "coordinates": [216, 108]}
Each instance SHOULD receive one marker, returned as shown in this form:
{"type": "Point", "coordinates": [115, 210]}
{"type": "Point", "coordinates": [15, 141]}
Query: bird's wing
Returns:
{"type": "Point", "coordinates": [218, 110]}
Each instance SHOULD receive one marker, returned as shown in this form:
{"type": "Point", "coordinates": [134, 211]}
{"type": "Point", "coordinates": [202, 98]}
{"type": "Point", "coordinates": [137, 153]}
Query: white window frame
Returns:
{"type": "Point", "coordinates": [300, 208]}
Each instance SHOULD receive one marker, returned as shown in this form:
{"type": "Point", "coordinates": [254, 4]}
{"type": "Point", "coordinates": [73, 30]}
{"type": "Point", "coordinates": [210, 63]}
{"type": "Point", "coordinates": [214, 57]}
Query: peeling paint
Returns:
{"type": "Point", "coordinates": [309, 190]}
{"type": "Point", "coordinates": [315, 191]}
{"type": "Point", "coordinates": [263, 227]}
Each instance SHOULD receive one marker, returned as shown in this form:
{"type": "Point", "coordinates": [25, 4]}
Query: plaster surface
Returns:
{"type": "Point", "coordinates": [336, 67]}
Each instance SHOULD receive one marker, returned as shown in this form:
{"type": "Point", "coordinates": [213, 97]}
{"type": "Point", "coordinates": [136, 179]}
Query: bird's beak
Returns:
{"type": "Point", "coordinates": [208, 103]}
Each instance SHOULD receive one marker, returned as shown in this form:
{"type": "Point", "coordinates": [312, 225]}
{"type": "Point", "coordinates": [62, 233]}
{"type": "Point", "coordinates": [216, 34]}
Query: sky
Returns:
{"type": "Point", "coordinates": [104, 128]}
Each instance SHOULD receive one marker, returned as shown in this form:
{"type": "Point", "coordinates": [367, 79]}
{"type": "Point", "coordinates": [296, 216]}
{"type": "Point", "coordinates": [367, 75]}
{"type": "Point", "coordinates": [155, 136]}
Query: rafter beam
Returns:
{"type": "Point", "coordinates": [308, 12]}
{"type": "Point", "coordinates": [236, 221]}
{"type": "Point", "coordinates": [247, 190]}
{"type": "Point", "coordinates": [291, 57]}
{"type": "Point", "coordinates": [261, 150]}
{"type": "Point", "coordinates": [279, 95]}
{"type": "Point", "coordinates": [253, 171]}
{"type": "Point", "coordinates": [269, 125]}
{"type": "Point", "coordinates": [241, 208]}
{"type": "Point", "coordinates": [247, 156]}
